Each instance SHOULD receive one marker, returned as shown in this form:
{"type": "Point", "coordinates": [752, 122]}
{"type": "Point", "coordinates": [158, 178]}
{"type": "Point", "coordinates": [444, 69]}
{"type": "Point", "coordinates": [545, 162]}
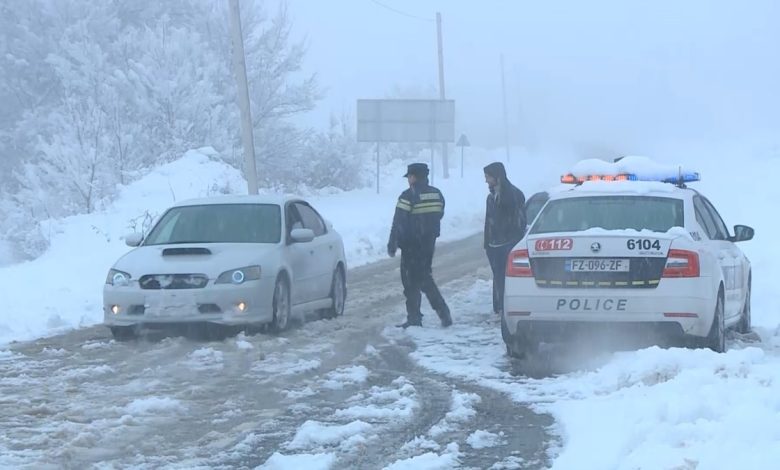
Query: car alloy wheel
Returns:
{"type": "Point", "coordinates": [338, 293]}
{"type": "Point", "coordinates": [281, 305]}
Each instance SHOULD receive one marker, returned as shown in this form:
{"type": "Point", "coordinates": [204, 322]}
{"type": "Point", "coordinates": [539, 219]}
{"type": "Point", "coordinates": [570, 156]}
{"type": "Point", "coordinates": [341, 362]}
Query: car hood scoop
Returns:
{"type": "Point", "coordinates": [211, 260]}
{"type": "Point", "coordinates": [186, 251]}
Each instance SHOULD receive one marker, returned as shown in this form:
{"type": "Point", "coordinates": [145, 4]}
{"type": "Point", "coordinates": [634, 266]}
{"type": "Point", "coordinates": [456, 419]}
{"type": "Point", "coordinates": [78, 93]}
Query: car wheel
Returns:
{"type": "Point", "coordinates": [124, 333]}
{"type": "Point", "coordinates": [744, 325]}
{"type": "Point", "coordinates": [281, 306]}
{"type": "Point", "coordinates": [716, 339]}
{"type": "Point", "coordinates": [519, 346]}
{"type": "Point", "coordinates": [338, 293]}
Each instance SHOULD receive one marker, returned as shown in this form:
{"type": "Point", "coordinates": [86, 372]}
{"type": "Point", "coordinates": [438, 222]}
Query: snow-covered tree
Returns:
{"type": "Point", "coordinates": [96, 94]}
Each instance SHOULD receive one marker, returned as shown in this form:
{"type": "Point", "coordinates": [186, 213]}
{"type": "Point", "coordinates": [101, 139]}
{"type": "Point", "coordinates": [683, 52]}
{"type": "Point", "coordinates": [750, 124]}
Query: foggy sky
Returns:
{"type": "Point", "coordinates": [621, 75]}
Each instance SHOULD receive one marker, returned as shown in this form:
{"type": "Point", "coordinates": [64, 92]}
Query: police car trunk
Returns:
{"type": "Point", "coordinates": [610, 253]}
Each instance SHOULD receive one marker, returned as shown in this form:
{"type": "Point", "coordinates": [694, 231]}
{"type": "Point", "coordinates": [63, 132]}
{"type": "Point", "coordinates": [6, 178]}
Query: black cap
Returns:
{"type": "Point", "coordinates": [417, 169]}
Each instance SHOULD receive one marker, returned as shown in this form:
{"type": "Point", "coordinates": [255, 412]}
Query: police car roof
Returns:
{"type": "Point", "coordinates": [622, 188]}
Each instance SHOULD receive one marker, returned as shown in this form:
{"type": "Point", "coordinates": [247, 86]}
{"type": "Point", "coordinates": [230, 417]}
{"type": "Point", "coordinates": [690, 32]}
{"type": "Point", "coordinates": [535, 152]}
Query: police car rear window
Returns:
{"type": "Point", "coordinates": [658, 214]}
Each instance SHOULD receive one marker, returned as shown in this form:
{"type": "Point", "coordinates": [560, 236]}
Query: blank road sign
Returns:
{"type": "Point", "coordinates": [405, 120]}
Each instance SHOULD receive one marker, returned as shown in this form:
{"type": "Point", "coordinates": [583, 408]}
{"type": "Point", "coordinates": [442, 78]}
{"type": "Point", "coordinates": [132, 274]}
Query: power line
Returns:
{"type": "Point", "coordinates": [403, 13]}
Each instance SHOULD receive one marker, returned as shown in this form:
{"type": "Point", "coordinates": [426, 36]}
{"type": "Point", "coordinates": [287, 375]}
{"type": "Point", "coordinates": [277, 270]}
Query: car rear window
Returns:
{"type": "Point", "coordinates": [218, 223]}
{"type": "Point", "coordinates": [658, 214]}
{"type": "Point", "coordinates": [534, 205]}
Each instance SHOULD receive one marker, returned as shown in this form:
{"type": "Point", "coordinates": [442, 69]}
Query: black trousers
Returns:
{"type": "Point", "coordinates": [417, 278]}
{"type": "Point", "coordinates": [498, 255]}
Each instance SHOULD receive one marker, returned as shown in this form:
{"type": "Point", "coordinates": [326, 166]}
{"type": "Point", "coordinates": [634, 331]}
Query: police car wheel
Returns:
{"type": "Point", "coordinates": [519, 345]}
{"type": "Point", "coordinates": [716, 339]}
{"type": "Point", "coordinates": [505, 331]}
{"type": "Point", "coordinates": [744, 325]}
{"type": "Point", "coordinates": [124, 333]}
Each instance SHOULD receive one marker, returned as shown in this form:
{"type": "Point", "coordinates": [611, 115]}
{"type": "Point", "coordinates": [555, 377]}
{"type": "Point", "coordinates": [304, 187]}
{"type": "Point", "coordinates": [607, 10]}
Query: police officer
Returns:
{"type": "Point", "coordinates": [505, 224]}
{"type": "Point", "coordinates": [416, 225]}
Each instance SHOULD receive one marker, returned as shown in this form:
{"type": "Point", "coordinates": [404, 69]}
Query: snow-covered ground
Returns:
{"type": "Point", "coordinates": [63, 288]}
{"type": "Point", "coordinates": [648, 409]}
{"type": "Point", "coordinates": [6, 257]}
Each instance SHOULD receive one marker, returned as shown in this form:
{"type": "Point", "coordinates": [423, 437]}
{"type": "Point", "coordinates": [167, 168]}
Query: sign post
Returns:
{"type": "Point", "coordinates": [463, 141]}
{"type": "Point", "coordinates": [411, 121]}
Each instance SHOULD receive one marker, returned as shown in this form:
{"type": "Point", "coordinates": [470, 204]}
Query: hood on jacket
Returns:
{"type": "Point", "coordinates": [497, 171]}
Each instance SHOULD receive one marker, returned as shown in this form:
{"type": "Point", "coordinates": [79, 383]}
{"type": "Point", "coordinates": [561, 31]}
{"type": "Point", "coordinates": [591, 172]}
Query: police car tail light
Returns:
{"type": "Point", "coordinates": [519, 264]}
{"type": "Point", "coordinates": [682, 263]}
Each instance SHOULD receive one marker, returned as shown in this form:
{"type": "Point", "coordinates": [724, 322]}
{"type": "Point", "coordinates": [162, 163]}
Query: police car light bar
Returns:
{"type": "Point", "coordinates": [682, 178]}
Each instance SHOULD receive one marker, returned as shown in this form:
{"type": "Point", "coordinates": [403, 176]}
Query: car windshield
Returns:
{"type": "Point", "coordinates": [658, 214]}
{"type": "Point", "coordinates": [218, 223]}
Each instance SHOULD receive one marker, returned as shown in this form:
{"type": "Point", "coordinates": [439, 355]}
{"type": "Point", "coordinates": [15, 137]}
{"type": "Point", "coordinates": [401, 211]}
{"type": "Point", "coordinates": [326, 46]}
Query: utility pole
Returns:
{"type": "Point", "coordinates": [506, 121]}
{"type": "Point", "coordinates": [239, 64]}
{"type": "Point", "coordinates": [442, 95]}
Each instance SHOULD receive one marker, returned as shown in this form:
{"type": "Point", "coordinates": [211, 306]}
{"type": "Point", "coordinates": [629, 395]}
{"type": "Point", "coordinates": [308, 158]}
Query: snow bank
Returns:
{"type": "Point", "coordinates": [313, 434]}
{"type": "Point", "coordinates": [430, 460]}
{"type": "Point", "coordinates": [6, 255]}
{"type": "Point", "coordinates": [481, 439]}
{"type": "Point", "coordinates": [154, 405]}
{"type": "Point", "coordinates": [303, 461]}
{"type": "Point", "coordinates": [650, 408]}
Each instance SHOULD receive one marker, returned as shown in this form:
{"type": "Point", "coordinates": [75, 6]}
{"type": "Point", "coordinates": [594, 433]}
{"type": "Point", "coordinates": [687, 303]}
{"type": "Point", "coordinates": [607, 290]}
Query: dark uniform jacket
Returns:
{"type": "Point", "coordinates": [505, 220]}
{"type": "Point", "coordinates": [417, 219]}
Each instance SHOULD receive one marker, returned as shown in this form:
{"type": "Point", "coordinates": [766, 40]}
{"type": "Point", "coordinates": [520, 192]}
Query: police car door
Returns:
{"type": "Point", "coordinates": [718, 242]}
{"type": "Point", "coordinates": [737, 275]}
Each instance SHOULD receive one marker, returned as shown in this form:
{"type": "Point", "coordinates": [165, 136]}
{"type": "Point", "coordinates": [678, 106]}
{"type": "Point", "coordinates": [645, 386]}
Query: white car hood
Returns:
{"type": "Point", "coordinates": [193, 258]}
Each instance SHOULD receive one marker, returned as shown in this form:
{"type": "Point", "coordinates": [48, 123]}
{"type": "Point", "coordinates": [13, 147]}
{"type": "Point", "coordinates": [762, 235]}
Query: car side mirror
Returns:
{"type": "Point", "coordinates": [743, 233]}
{"type": "Point", "coordinates": [328, 225]}
{"type": "Point", "coordinates": [302, 235]}
{"type": "Point", "coordinates": [134, 239]}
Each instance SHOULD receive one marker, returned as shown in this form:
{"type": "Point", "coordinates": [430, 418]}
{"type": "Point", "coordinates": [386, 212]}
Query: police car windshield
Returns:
{"type": "Point", "coordinates": [658, 214]}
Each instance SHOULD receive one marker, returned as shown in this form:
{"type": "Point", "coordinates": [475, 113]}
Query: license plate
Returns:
{"type": "Point", "coordinates": [598, 265]}
{"type": "Point", "coordinates": [172, 305]}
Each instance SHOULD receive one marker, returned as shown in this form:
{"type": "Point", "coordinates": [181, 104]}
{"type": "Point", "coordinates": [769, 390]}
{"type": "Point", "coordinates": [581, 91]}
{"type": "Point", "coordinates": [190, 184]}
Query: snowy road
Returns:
{"type": "Point", "coordinates": [347, 393]}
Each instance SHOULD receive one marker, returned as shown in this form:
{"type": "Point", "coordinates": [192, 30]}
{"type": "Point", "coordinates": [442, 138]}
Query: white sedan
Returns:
{"type": "Point", "coordinates": [614, 253]}
{"type": "Point", "coordinates": [243, 261]}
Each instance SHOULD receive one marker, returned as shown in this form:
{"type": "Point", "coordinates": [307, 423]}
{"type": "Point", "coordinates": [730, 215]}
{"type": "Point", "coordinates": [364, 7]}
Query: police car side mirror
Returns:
{"type": "Point", "coordinates": [742, 233]}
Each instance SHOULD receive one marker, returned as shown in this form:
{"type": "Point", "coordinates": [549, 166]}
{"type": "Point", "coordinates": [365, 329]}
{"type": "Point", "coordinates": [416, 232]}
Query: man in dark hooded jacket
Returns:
{"type": "Point", "coordinates": [416, 225]}
{"type": "Point", "coordinates": [504, 226]}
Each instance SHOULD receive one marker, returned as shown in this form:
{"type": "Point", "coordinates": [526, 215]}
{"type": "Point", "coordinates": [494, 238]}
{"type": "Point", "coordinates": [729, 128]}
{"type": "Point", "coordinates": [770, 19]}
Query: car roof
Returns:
{"type": "Point", "coordinates": [625, 188]}
{"type": "Point", "coordinates": [275, 199]}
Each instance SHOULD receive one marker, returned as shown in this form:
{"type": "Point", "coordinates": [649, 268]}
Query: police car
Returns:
{"type": "Point", "coordinates": [629, 246]}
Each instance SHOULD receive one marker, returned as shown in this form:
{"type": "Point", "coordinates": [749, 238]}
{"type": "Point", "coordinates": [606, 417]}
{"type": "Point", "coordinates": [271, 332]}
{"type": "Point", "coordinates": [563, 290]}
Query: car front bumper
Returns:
{"type": "Point", "coordinates": [215, 303]}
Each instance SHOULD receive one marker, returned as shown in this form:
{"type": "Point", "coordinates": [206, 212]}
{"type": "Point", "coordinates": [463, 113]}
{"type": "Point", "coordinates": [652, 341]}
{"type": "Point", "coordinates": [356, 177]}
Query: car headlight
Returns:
{"type": "Point", "coordinates": [240, 275]}
{"type": "Point", "coordinates": [117, 278]}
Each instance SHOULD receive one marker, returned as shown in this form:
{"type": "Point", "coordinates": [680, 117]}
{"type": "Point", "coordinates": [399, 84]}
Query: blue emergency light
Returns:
{"type": "Point", "coordinates": [681, 178]}
{"type": "Point", "coordinates": [688, 177]}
